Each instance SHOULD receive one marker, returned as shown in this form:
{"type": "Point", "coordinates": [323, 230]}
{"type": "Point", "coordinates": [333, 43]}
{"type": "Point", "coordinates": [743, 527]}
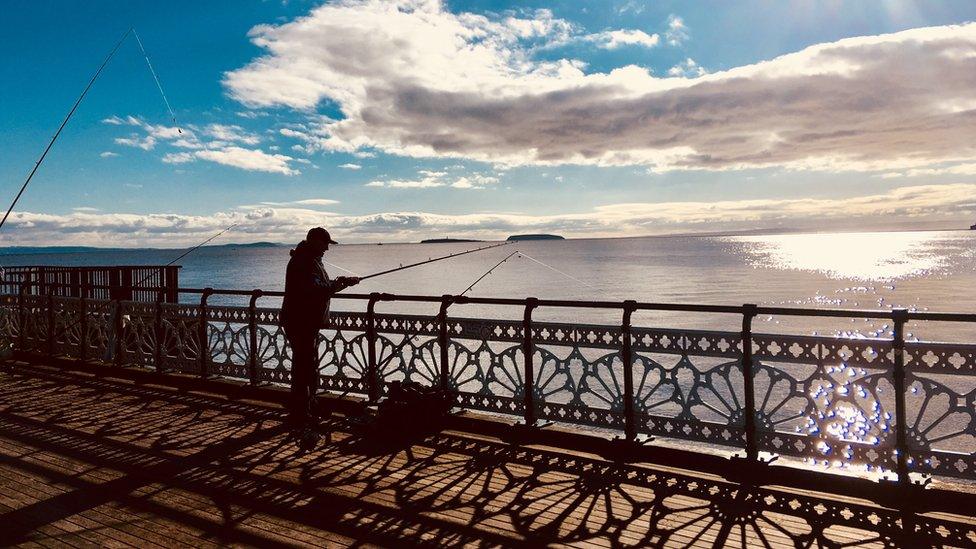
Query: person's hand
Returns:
{"type": "Point", "coordinates": [347, 281]}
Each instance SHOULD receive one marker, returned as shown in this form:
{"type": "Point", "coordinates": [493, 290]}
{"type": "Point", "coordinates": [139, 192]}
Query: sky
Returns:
{"type": "Point", "coordinates": [398, 120]}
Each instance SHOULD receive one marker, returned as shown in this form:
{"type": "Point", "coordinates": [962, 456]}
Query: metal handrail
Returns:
{"type": "Point", "coordinates": [891, 314]}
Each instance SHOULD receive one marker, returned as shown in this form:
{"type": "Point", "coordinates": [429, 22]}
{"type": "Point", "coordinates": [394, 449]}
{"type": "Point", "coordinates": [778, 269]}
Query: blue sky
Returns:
{"type": "Point", "coordinates": [406, 119]}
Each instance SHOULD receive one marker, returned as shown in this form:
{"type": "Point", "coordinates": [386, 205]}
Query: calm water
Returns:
{"type": "Point", "coordinates": [924, 270]}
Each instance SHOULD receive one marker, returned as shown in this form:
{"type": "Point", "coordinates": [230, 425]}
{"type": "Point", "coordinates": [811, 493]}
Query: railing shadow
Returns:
{"type": "Point", "coordinates": [146, 450]}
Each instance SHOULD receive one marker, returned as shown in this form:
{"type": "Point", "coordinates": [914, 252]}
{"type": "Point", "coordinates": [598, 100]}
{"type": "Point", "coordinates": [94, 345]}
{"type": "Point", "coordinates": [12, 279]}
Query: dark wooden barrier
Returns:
{"type": "Point", "coordinates": [117, 282]}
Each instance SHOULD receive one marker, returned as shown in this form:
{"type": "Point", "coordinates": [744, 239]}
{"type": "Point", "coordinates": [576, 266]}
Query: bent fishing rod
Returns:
{"type": "Point", "coordinates": [75, 107]}
{"type": "Point", "coordinates": [407, 339]}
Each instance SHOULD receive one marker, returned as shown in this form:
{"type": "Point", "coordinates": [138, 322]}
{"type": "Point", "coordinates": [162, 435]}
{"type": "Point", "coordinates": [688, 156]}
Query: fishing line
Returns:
{"type": "Point", "coordinates": [340, 268]}
{"type": "Point", "coordinates": [419, 263]}
{"type": "Point", "coordinates": [75, 107]}
{"type": "Point", "coordinates": [523, 254]}
{"type": "Point", "coordinates": [156, 79]}
{"type": "Point", "coordinates": [63, 124]}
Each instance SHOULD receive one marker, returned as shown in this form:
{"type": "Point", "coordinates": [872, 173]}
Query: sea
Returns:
{"type": "Point", "coordinates": [919, 270]}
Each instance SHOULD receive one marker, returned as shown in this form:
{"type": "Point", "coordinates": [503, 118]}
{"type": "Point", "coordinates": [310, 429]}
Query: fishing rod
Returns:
{"type": "Point", "coordinates": [419, 263]}
{"type": "Point", "coordinates": [488, 272]}
{"type": "Point", "coordinates": [146, 278]}
{"type": "Point", "coordinates": [63, 124]}
{"type": "Point", "coordinates": [75, 107]}
{"type": "Point", "coordinates": [408, 338]}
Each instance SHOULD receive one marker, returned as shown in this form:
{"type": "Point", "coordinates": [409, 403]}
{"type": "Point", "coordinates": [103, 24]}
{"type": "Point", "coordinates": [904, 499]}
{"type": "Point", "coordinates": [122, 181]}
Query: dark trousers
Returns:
{"type": "Point", "coordinates": [304, 372]}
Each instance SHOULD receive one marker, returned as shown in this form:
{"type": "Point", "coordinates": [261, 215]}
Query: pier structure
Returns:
{"type": "Point", "coordinates": [615, 434]}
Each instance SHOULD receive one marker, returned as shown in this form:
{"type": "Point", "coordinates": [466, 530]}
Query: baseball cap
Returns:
{"type": "Point", "coordinates": [320, 234]}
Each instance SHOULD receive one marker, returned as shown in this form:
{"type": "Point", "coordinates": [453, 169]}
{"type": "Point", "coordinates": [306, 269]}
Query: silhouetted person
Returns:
{"type": "Point", "coordinates": [308, 290]}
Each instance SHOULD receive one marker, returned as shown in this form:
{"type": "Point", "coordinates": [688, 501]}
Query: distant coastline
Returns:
{"type": "Point", "coordinates": [523, 237]}
{"type": "Point", "coordinates": [38, 250]}
{"type": "Point", "coordinates": [448, 240]}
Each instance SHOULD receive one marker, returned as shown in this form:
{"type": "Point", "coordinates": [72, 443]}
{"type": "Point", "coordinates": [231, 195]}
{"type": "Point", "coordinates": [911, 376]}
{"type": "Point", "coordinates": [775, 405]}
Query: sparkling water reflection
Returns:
{"type": "Point", "coordinates": [856, 256]}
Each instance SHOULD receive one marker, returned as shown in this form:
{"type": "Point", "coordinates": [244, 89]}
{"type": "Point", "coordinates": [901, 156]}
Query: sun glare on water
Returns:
{"type": "Point", "coordinates": [864, 256]}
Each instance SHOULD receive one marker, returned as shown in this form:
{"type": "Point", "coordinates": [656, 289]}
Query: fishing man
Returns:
{"type": "Point", "coordinates": [308, 290]}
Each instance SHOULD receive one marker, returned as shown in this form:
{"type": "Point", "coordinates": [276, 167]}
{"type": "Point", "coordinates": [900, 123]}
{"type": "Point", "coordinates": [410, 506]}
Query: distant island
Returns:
{"type": "Point", "coordinates": [448, 240]}
{"type": "Point", "coordinates": [520, 237]}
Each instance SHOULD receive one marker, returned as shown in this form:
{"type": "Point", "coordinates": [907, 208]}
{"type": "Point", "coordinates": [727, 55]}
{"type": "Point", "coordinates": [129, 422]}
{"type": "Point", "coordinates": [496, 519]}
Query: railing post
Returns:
{"type": "Point", "coordinates": [443, 342]}
{"type": "Point", "coordinates": [372, 373]}
{"type": "Point", "coordinates": [22, 311]}
{"type": "Point", "coordinates": [749, 379]}
{"type": "Point", "coordinates": [82, 324]}
{"type": "Point", "coordinates": [50, 322]}
{"type": "Point", "coordinates": [117, 343]}
{"type": "Point", "coordinates": [528, 350]}
{"type": "Point", "coordinates": [204, 347]}
{"type": "Point", "coordinates": [900, 317]}
{"type": "Point", "coordinates": [158, 332]}
{"type": "Point", "coordinates": [627, 356]}
{"type": "Point", "coordinates": [252, 327]}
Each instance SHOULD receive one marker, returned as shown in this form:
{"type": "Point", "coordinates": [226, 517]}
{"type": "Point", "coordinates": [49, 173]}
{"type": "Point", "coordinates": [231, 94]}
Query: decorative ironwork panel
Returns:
{"type": "Point", "coordinates": [343, 360]}
{"type": "Point", "coordinates": [9, 319]}
{"type": "Point", "coordinates": [138, 337]}
{"type": "Point", "coordinates": [941, 424]}
{"type": "Point", "coordinates": [825, 400]}
{"type": "Point", "coordinates": [946, 358]}
{"type": "Point", "coordinates": [180, 338]}
{"type": "Point", "coordinates": [485, 375]}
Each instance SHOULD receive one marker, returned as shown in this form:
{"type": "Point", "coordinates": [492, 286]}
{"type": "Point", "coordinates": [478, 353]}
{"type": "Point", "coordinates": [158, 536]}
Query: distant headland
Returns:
{"type": "Point", "coordinates": [448, 240]}
{"type": "Point", "coordinates": [520, 237]}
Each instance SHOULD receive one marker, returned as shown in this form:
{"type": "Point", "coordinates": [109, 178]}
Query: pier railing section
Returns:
{"type": "Point", "coordinates": [884, 405]}
{"type": "Point", "coordinates": [117, 282]}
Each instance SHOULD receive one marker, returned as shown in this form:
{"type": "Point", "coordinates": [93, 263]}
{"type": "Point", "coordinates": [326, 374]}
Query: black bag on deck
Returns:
{"type": "Point", "coordinates": [412, 408]}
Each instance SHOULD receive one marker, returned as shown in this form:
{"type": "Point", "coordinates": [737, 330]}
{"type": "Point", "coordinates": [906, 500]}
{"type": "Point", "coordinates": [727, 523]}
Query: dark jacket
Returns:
{"type": "Point", "coordinates": [308, 290]}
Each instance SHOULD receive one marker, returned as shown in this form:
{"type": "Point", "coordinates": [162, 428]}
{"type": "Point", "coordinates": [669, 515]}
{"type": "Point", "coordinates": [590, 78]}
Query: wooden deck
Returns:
{"type": "Point", "coordinates": [100, 461]}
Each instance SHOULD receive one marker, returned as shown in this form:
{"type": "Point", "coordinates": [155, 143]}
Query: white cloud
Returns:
{"type": "Point", "coordinates": [224, 148]}
{"type": "Point", "coordinates": [933, 204]}
{"type": "Point", "coordinates": [316, 202]}
{"type": "Point", "coordinates": [108, 154]}
{"type": "Point", "coordinates": [350, 166]}
{"type": "Point", "coordinates": [687, 69]}
{"type": "Point", "coordinates": [85, 209]}
{"type": "Point", "coordinates": [146, 143]}
{"type": "Point", "coordinates": [306, 202]}
{"type": "Point", "coordinates": [430, 179]}
{"type": "Point", "coordinates": [634, 6]}
{"type": "Point", "coordinates": [677, 32]}
{"type": "Point", "coordinates": [958, 169]}
{"type": "Point", "coordinates": [231, 133]}
{"type": "Point", "coordinates": [425, 183]}
{"type": "Point", "coordinates": [178, 158]}
{"type": "Point", "coordinates": [413, 79]}
{"type": "Point", "coordinates": [249, 159]}
{"type": "Point", "coordinates": [474, 181]}
{"type": "Point", "coordinates": [625, 37]}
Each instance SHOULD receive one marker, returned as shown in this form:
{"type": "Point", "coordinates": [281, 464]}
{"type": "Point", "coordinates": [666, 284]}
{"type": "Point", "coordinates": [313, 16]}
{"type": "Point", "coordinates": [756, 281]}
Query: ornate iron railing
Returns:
{"type": "Point", "coordinates": [878, 404]}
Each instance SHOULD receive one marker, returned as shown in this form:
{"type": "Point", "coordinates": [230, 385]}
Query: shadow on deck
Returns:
{"type": "Point", "coordinates": [94, 461]}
